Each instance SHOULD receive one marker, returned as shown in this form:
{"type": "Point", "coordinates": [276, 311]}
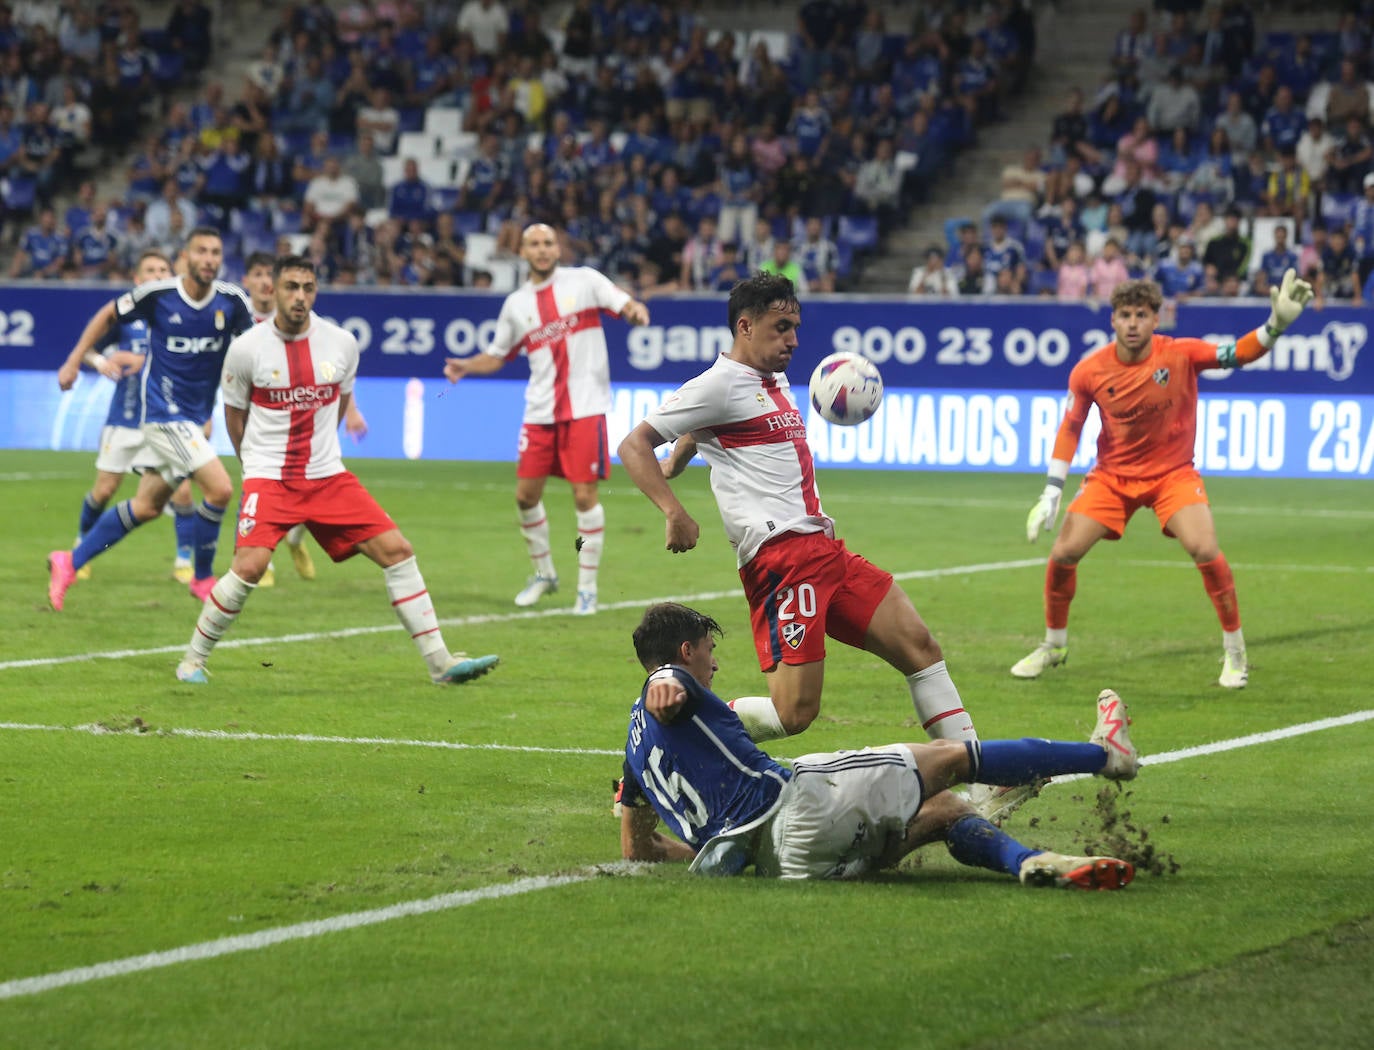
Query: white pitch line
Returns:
{"type": "Point", "coordinates": [470, 621]}
{"type": "Point", "coordinates": [302, 738]}
{"type": "Point", "coordinates": [250, 942]}
{"type": "Point", "coordinates": [266, 938]}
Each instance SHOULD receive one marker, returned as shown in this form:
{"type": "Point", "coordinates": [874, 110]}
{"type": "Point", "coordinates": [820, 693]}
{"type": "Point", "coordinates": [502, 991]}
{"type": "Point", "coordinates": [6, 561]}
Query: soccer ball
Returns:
{"type": "Point", "coordinates": [846, 389]}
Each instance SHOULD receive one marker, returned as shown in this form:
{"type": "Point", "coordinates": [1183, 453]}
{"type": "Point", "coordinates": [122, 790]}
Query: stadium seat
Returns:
{"type": "Point", "coordinates": [418, 144]}
{"type": "Point", "coordinates": [479, 249]}
{"type": "Point", "coordinates": [392, 170]}
{"type": "Point", "coordinates": [168, 69]}
{"type": "Point", "coordinates": [1338, 208]}
{"type": "Point", "coordinates": [461, 144]}
{"type": "Point", "coordinates": [860, 231]}
{"type": "Point", "coordinates": [19, 194]}
{"type": "Point", "coordinates": [1044, 281]}
{"type": "Point", "coordinates": [906, 161]}
{"type": "Point", "coordinates": [438, 171]}
{"type": "Point", "coordinates": [443, 121]}
{"type": "Point", "coordinates": [443, 198]}
{"type": "Point", "coordinates": [505, 274]}
{"type": "Point", "coordinates": [412, 119]}
{"type": "Point", "coordinates": [343, 142]}
{"type": "Point", "coordinates": [466, 222]}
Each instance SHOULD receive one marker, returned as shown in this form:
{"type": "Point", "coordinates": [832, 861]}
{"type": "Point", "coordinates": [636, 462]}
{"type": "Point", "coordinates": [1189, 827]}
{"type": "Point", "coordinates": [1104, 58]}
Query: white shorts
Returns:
{"type": "Point", "coordinates": [840, 813]}
{"type": "Point", "coordinates": [119, 449]}
{"type": "Point", "coordinates": [175, 450]}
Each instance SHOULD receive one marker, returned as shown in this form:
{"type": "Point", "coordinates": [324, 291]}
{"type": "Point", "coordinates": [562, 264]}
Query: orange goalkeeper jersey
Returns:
{"type": "Point", "coordinates": [1148, 409]}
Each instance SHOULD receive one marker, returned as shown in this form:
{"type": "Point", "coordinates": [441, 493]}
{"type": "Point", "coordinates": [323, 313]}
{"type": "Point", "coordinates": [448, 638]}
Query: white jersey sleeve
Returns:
{"type": "Point", "coordinates": [236, 381]}
{"type": "Point", "coordinates": [749, 431]}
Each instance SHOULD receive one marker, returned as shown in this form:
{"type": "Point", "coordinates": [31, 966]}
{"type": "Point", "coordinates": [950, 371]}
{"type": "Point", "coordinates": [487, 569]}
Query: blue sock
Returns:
{"type": "Point", "coordinates": [109, 529]}
{"type": "Point", "coordinates": [90, 511]}
{"type": "Point", "coordinates": [1008, 762]}
{"type": "Point", "coordinates": [205, 523]}
{"type": "Point", "coordinates": [977, 843]}
{"type": "Point", "coordinates": [185, 521]}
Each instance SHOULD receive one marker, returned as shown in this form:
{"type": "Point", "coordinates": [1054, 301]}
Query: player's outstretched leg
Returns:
{"type": "Point", "coordinates": [300, 556]}
{"type": "Point", "coordinates": [415, 609]}
{"type": "Point", "coordinates": [972, 840]}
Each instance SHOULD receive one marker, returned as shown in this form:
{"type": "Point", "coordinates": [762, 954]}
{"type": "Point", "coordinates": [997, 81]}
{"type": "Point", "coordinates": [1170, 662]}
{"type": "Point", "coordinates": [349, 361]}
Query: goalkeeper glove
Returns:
{"type": "Point", "coordinates": [1286, 302]}
{"type": "Point", "coordinates": [1044, 513]}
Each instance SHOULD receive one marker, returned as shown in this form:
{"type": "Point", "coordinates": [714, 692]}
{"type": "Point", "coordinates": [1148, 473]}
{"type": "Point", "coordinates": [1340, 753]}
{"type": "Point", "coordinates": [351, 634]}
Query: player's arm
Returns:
{"type": "Point", "coordinates": [97, 330]}
{"type": "Point", "coordinates": [235, 421]}
{"type": "Point", "coordinates": [355, 423]}
{"type": "Point", "coordinates": [478, 364]}
{"type": "Point", "coordinates": [1286, 303]}
{"type": "Point", "coordinates": [680, 456]}
{"type": "Point", "coordinates": [635, 312]}
{"type": "Point", "coordinates": [638, 458]}
{"type": "Point", "coordinates": [1043, 515]}
{"type": "Point", "coordinates": [640, 838]}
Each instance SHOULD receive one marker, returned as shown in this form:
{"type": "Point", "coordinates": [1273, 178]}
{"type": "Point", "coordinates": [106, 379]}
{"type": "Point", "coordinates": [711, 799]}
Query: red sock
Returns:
{"type": "Point", "coordinates": [1060, 583]}
{"type": "Point", "coordinates": [1221, 588]}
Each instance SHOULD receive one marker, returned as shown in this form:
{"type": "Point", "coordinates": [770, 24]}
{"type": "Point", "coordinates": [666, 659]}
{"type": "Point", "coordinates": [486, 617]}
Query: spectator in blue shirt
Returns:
{"type": "Point", "coordinates": [1275, 262]}
{"type": "Point", "coordinates": [95, 248]}
{"type": "Point", "coordinates": [1284, 123]}
{"type": "Point", "coordinates": [43, 249]}
{"type": "Point", "coordinates": [409, 198]}
{"type": "Point", "coordinates": [1181, 278]}
{"type": "Point", "coordinates": [810, 124]}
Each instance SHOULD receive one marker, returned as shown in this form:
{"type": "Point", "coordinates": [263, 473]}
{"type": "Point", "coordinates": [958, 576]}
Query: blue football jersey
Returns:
{"type": "Point", "coordinates": [701, 772]}
{"type": "Point", "coordinates": [186, 345]}
{"type": "Point", "coordinates": [126, 406]}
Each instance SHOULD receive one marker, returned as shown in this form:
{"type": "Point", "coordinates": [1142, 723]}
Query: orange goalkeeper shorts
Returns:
{"type": "Point", "coordinates": [1111, 500]}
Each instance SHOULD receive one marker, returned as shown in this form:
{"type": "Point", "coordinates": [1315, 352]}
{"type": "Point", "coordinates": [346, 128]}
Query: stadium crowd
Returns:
{"type": "Point", "coordinates": [408, 143]}
{"type": "Point", "coordinates": [1205, 160]}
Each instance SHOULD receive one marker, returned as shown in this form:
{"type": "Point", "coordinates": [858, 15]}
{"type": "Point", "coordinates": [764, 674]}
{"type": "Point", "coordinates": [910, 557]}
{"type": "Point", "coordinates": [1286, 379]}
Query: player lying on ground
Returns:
{"type": "Point", "coordinates": [1145, 388]}
{"type": "Point", "coordinates": [690, 763]}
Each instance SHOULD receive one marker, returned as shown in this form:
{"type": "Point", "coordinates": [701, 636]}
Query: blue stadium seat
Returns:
{"type": "Point", "coordinates": [412, 119]}
{"type": "Point", "coordinates": [1044, 280]}
{"type": "Point", "coordinates": [443, 198]}
{"type": "Point", "coordinates": [168, 69]}
{"type": "Point", "coordinates": [859, 231]}
{"type": "Point", "coordinates": [343, 142]}
{"type": "Point", "coordinates": [286, 221]}
{"type": "Point", "coordinates": [20, 192]}
{"type": "Point", "coordinates": [1338, 208]}
{"type": "Point", "coordinates": [844, 264]}
{"type": "Point", "coordinates": [466, 222]}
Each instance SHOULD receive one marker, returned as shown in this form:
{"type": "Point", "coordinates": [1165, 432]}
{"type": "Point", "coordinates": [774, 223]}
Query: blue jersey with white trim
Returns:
{"type": "Point", "coordinates": [186, 344]}
{"type": "Point", "coordinates": [701, 772]}
{"type": "Point", "coordinates": [126, 406]}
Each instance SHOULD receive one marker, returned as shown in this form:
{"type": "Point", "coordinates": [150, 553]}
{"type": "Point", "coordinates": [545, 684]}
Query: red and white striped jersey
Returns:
{"type": "Point", "coordinates": [749, 431]}
{"type": "Point", "coordinates": [557, 325]}
{"type": "Point", "coordinates": [291, 387]}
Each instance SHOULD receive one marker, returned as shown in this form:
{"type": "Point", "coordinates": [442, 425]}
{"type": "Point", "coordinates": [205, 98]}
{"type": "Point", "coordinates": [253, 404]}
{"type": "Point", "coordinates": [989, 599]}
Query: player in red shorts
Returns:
{"type": "Point", "coordinates": [554, 319]}
{"type": "Point", "coordinates": [801, 582]}
{"type": "Point", "coordinates": [285, 384]}
{"type": "Point", "coordinates": [1145, 389]}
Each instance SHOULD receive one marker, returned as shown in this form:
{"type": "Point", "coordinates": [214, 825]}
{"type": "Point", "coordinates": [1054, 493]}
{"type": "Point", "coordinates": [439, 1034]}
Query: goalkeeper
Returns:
{"type": "Point", "coordinates": [1145, 389]}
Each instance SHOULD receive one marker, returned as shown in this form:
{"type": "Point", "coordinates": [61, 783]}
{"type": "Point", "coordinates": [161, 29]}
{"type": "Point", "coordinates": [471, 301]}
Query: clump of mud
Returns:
{"type": "Point", "coordinates": [1120, 835]}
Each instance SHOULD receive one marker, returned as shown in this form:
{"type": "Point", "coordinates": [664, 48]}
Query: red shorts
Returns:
{"type": "Point", "coordinates": [1111, 500]}
{"type": "Point", "coordinates": [803, 586]}
{"type": "Point", "coordinates": [576, 449]}
{"type": "Point", "coordinates": [337, 510]}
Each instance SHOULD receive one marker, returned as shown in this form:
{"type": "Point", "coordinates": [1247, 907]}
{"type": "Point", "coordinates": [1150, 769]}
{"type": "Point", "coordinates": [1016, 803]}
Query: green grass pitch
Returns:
{"type": "Point", "coordinates": [304, 784]}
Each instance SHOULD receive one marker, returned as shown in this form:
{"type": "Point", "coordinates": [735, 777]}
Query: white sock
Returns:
{"type": "Point", "coordinates": [217, 615]}
{"type": "Point", "coordinates": [534, 526]}
{"type": "Point", "coordinates": [760, 718]}
{"type": "Point", "coordinates": [591, 536]}
{"type": "Point", "coordinates": [1234, 641]}
{"type": "Point", "coordinates": [296, 536]}
{"type": "Point", "coordinates": [1057, 636]}
{"type": "Point", "coordinates": [938, 705]}
{"type": "Point", "coordinates": [414, 608]}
